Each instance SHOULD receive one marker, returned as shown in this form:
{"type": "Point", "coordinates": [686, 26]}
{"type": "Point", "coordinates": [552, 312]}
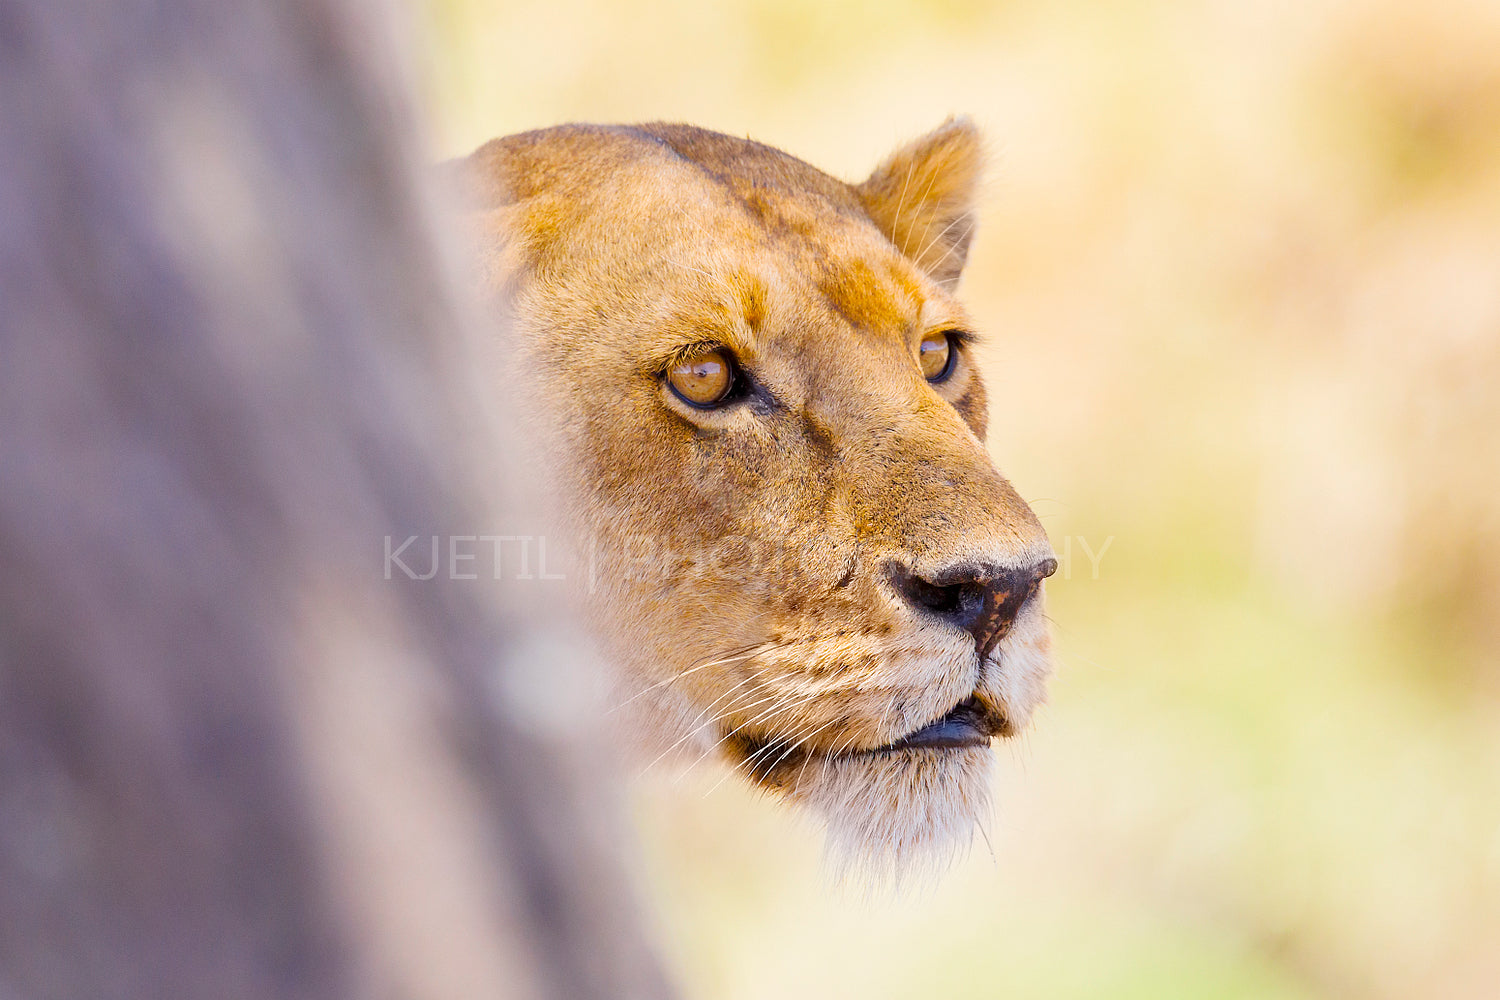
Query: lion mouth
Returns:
{"type": "Point", "coordinates": [969, 724]}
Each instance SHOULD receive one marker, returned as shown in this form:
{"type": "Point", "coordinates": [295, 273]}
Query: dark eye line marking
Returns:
{"type": "Point", "coordinates": [745, 388]}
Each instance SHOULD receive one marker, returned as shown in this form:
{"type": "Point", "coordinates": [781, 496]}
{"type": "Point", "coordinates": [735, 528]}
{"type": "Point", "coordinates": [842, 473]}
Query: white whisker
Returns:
{"type": "Point", "coordinates": [718, 742]}
{"type": "Point", "coordinates": [742, 655]}
{"type": "Point", "coordinates": [901, 204]}
{"type": "Point", "coordinates": [925, 192]}
{"type": "Point", "coordinates": [698, 724]}
{"type": "Point", "coordinates": [952, 247]}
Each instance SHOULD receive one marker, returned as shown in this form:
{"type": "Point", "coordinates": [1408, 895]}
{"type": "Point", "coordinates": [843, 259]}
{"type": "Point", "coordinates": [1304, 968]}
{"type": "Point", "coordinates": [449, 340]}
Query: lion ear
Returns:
{"type": "Point", "coordinates": [922, 197]}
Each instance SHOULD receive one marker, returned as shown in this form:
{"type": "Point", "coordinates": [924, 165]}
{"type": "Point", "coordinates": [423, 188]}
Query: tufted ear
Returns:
{"type": "Point", "coordinates": [922, 197]}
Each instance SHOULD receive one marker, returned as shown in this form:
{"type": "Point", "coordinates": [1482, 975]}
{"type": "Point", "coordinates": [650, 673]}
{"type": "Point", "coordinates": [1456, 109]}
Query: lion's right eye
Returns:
{"type": "Point", "coordinates": [704, 381]}
{"type": "Point", "coordinates": [935, 354]}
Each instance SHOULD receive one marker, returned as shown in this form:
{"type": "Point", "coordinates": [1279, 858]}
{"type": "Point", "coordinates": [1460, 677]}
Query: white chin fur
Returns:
{"type": "Point", "coordinates": [899, 815]}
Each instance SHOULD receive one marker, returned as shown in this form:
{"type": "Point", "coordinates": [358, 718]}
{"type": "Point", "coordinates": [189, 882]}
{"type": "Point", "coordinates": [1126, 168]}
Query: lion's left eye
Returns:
{"type": "Point", "coordinates": [935, 355]}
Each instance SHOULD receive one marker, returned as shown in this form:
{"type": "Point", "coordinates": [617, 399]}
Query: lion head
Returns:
{"type": "Point", "coordinates": [769, 430]}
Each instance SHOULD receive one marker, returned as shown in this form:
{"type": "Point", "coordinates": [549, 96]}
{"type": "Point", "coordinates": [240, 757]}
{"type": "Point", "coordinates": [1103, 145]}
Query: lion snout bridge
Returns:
{"type": "Point", "coordinates": [981, 599]}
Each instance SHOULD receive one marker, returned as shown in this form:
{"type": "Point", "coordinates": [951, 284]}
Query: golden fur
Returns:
{"type": "Point", "coordinates": [744, 554]}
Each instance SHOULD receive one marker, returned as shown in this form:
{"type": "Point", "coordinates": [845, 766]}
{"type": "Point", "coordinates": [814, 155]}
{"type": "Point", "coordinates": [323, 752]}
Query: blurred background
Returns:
{"type": "Point", "coordinates": [1239, 269]}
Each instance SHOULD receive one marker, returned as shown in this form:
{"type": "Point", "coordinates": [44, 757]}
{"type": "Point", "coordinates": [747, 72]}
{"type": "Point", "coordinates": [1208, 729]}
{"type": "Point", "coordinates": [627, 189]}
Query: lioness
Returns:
{"type": "Point", "coordinates": [761, 391]}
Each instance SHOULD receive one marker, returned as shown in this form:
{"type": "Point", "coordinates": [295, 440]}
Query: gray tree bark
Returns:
{"type": "Point", "coordinates": [237, 761]}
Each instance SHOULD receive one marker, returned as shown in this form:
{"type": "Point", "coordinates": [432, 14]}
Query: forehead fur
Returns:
{"type": "Point", "coordinates": [695, 188]}
{"type": "Point", "coordinates": [570, 159]}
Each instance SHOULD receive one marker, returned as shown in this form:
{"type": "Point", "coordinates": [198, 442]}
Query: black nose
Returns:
{"type": "Point", "coordinates": [983, 600]}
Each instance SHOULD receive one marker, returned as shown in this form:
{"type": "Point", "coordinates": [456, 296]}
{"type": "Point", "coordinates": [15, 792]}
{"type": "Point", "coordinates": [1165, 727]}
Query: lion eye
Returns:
{"type": "Point", "coordinates": [702, 381]}
{"type": "Point", "coordinates": [936, 356]}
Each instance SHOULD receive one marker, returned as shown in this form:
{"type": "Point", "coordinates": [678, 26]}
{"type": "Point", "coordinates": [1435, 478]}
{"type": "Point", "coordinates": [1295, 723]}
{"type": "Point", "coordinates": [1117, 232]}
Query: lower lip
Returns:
{"type": "Point", "coordinates": [945, 735]}
{"type": "Point", "coordinates": [965, 726]}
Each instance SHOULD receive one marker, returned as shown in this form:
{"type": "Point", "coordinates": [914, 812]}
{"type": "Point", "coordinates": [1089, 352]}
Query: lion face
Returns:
{"type": "Point", "coordinates": [768, 425]}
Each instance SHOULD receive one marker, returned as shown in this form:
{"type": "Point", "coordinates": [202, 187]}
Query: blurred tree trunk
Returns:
{"type": "Point", "coordinates": [236, 760]}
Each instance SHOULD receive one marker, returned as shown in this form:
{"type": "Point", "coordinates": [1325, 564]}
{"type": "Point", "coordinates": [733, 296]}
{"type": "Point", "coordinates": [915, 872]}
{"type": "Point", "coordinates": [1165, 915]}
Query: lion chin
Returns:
{"type": "Point", "coordinates": [894, 814]}
{"type": "Point", "coordinates": [755, 391]}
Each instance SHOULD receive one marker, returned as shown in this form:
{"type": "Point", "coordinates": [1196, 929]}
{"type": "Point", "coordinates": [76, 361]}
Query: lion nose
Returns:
{"type": "Point", "coordinates": [983, 600]}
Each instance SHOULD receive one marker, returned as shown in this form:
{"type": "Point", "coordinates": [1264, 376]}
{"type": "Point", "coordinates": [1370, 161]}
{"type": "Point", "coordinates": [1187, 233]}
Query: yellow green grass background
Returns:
{"type": "Point", "coordinates": [1238, 272]}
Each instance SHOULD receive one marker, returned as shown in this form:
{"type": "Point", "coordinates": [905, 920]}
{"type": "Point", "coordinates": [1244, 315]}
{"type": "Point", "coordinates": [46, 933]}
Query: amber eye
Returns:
{"type": "Point", "coordinates": [704, 381]}
{"type": "Point", "coordinates": [936, 356]}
